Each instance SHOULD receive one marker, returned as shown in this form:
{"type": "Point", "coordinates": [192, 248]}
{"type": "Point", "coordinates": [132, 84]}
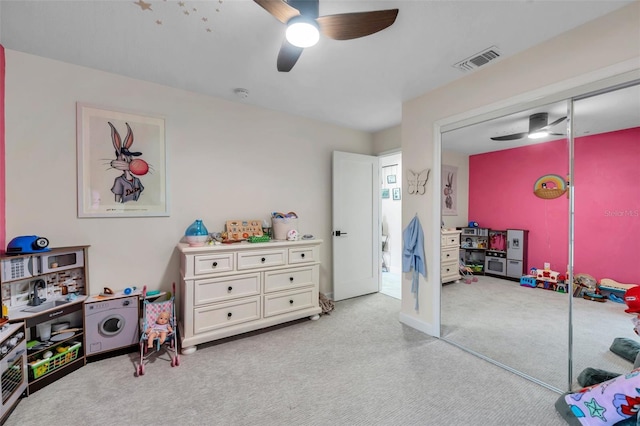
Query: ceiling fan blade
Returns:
{"type": "Point", "coordinates": [510, 137]}
{"type": "Point", "coordinates": [554, 123]}
{"type": "Point", "coordinates": [279, 9]}
{"type": "Point", "coordinates": [288, 56]}
{"type": "Point", "coordinates": [348, 26]}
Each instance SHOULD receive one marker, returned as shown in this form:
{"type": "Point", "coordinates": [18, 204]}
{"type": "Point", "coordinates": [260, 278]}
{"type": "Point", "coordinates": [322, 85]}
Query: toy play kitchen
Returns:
{"type": "Point", "coordinates": [43, 291]}
{"type": "Point", "coordinates": [13, 366]}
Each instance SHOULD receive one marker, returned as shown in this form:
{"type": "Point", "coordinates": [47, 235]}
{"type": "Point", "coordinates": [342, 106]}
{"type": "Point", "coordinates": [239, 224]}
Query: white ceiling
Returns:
{"type": "Point", "coordinates": [215, 46]}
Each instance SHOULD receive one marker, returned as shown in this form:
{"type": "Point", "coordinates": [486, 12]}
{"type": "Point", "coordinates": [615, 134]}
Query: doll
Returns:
{"type": "Point", "coordinates": [160, 329]}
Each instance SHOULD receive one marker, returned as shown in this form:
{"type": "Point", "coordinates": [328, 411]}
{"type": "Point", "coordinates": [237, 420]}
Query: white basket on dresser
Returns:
{"type": "Point", "coordinates": [231, 289]}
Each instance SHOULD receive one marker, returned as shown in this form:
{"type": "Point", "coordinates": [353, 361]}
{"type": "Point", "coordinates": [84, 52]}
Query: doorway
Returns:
{"type": "Point", "coordinates": [391, 224]}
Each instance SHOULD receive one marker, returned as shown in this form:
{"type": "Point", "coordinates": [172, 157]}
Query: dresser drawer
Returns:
{"type": "Point", "coordinates": [449, 269]}
{"type": "Point", "coordinates": [450, 240]}
{"type": "Point", "coordinates": [252, 260]}
{"type": "Point", "coordinates": [226, 314]}
{"type": "Point", "coordinates": [279, 303]}
{"type": "Point", "coordinates": [450, 254]}
{"type": "Point", "coordinates": [223, 288]}
{"type": "Point", "coordinates": [289, 279]}
{"type": "Point", "coordinates": [303, 255]}
{"type": "Point", "coordinates": [212, 263]}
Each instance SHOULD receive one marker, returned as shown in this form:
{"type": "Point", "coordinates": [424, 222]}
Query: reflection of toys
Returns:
{"type": "Point", "coordinates": [612, 286]}
{"type": "Point", "coordinates": [547, 279]}
{"type": "Point", "coordinates": [548, 276]}
{"type": "Point", "coordinates": [528, 281]}
{"type": "Point", "coordinates": [583, 283]}
{"type": "Point", "coordinates": [467, 273]}
{"type": "Point", "coordinates": [632, 299]}
{"type": "Point", "coordinates": [594, 297]}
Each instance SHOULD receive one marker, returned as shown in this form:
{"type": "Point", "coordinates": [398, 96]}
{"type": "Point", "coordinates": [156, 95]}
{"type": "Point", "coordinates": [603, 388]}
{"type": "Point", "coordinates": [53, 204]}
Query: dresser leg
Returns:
{"type": "Point", "coordinates": [314, 317]}
{"type": "Point", "coordinates": [188, 350]}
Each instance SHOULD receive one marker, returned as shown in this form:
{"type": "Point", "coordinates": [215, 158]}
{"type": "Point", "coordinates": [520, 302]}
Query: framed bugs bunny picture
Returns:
{"type": "Point", "coordinates": [449, 191]}
{"type": "Point", "coordinates": [121, 163]}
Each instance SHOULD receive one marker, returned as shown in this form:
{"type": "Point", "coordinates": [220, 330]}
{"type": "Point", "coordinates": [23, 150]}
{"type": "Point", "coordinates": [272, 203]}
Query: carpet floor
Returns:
{"type": "Point", "coordinates": [357, 366]}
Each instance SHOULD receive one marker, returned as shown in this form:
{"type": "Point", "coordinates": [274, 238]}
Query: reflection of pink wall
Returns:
{"type": "Point", "coordinates": [607, 205]}
{"type": "Point", "coordinates": [2, 168]}
{"type": "Point", "coordinates": [501, 197]}
{"type": "Point", "coordinates": [607, 179]}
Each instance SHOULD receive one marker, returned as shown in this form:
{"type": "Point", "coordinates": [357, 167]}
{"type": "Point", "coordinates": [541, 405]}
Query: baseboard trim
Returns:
{"type": "Point", "coordinates": [419, 325]}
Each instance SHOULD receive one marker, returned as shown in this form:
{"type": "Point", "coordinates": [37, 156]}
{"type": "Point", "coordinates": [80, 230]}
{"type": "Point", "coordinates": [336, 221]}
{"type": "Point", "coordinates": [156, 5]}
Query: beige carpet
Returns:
{"type": "Point", "coordinates": [357, 366]}
{"type": "Point", "coordinates": [527, 328]}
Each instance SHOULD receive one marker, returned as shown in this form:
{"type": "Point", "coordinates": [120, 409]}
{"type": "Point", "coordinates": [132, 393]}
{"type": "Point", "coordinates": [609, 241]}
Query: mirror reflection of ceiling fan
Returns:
{"type": "Point", "coordinates": [539, 127]}
{"type": "Point", "coordinates": [304, 26]}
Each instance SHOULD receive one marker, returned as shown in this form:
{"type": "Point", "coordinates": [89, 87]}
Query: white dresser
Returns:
{"type": "Point", "coordinates": [449, 255]}
{"type": "Point", "coordinates": [230, 289]}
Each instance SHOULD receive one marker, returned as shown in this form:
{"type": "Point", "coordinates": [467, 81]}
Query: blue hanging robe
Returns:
{"type": "Point", "coordinates": [413, 254]}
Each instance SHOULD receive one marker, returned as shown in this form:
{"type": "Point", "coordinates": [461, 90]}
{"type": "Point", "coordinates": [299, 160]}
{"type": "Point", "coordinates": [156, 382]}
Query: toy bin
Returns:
{"type": "Point", "coordinates": [282, 225]}
{"type": "Point", "coordinates": [45, 366]}
{"type": "Point", "coordinates": [528, 281]}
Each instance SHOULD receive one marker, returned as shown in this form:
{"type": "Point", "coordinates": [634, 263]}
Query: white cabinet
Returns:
{"type": "Point", "coordinates": [449, 255]}
{"type": "Point", "coordinates": [232, 289]}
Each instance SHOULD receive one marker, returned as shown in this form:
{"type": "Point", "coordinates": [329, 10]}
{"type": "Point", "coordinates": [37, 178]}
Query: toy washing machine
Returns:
{"type": "Point", "coordinates": [111, 323]}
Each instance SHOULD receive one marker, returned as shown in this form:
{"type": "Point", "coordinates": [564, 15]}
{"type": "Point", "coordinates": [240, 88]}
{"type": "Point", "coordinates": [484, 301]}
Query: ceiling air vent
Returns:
{"type": "Point", "coordinates": [479, 59]}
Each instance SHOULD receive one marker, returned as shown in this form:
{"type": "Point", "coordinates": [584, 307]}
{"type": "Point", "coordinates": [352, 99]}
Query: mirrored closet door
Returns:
{"type": "Point", "coordinates": [545, 332]}
{"type": "Point", "coordinates": [489, 312]}
{"type": "Point", "coordinates": [606, 178]}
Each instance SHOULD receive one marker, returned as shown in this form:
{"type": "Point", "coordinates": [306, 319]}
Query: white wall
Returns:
{"type": "Point", "coordinates": [387, 140]}
{"type": "Point", "coordinates": [610, 40]}
{"type": "Point", "coordinates": [226, 161]}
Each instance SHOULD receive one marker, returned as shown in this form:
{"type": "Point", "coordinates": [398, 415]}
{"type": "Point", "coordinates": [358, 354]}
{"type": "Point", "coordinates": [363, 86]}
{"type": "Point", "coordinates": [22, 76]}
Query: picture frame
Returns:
{"type": "Point", "coordinates": [449, 191]}
{"type": "Point", "coordinates": [121, 163]}
{"type": "Point", "coordinates": [391, 179]}
{"type": "Point", "coordinates": [385, 193]}
{"type": "Point", "coordinates": [396, 193]}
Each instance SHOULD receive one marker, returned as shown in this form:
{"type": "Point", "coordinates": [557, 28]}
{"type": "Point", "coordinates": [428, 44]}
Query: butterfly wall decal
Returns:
{"type": "Point", "coordinates": [417, 181]}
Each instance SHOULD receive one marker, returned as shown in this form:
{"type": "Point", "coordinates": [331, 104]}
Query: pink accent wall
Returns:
{"type": "Point", "coordinates": [3, 224]}
{"type": "Point", "coordinates": [501, 197]}
{"type": "Point", "coordinates": [607, 205]}
{"type": "Point", "coordinates": [607, 202]}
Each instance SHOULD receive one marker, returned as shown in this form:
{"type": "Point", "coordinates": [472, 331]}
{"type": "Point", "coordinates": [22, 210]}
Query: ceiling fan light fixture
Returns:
{"type": "Point", "coordinates": [539, 134]}
{"type": "Point", "coordinates": [302, 32]}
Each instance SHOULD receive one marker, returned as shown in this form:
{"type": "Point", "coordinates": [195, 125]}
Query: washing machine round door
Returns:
{"type": "Point", "coordinates": [111, 325]}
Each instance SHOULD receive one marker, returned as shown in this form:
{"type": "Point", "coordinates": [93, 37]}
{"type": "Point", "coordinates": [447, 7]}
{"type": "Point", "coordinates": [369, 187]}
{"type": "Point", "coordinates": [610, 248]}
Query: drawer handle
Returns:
{"type": "Point", "coordinates": [215, 264]}
{"type": "Point", "coordinates": [291, 302]}
{"type": "Point", "coordinates": [302, 255]}
{"type": "Point", "coordinates": [448, 255]}
{"type": "Point", "coordinates": [447, 269]}
{"type": "Point", "coordinates": [291, 279]}
{"type": "Point", "coordinates": [263, 260]}
{"type": "Point", "coordinates": [229, 315]}
{"type": "Point", "coordinates": [229, 289]}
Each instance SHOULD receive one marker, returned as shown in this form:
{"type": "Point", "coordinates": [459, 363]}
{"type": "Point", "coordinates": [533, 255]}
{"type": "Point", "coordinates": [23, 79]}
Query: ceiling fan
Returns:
{"type": "Point", "coordinates": [538, 128]}
{"type": "Point", "coordinates": [304, 26]}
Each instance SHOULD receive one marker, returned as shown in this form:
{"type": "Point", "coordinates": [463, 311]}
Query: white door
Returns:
{"type": "Point", "coordinates": [356, 225]}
